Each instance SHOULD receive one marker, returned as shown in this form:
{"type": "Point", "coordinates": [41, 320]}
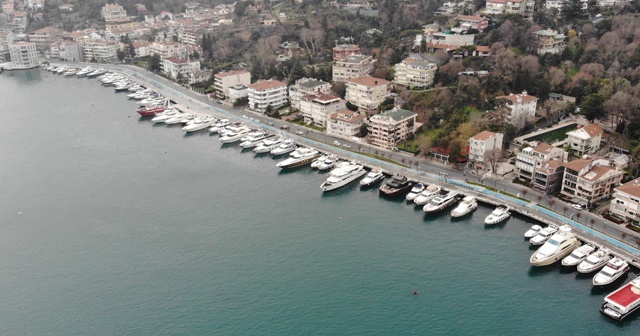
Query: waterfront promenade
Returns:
{"type": "Point", "coordinates": [591, 228]}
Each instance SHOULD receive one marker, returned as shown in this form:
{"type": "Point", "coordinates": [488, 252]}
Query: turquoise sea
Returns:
{"type": "Point", "coordinates": [114, 226]}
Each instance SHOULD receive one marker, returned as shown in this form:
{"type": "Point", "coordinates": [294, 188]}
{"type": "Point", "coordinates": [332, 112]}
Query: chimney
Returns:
{"type": "Point", "coordinates": [524, 92]}
{"type": "Point", "coordinates": [375, 82]}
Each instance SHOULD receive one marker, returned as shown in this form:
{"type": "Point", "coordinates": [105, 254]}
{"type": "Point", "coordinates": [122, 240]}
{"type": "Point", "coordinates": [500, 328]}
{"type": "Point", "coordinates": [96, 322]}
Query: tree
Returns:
{"type": "Point", "coordinates": [154, 63]}
{"type": "Point", "coordinates": [121, 55]}
{"type": "Point", "coordinates": [339, 89]}
{"type": "Point", "coordinates": [364, 130]}
{"type": "Point", "coordinates": [241, 102]}
{"type": "Point", "coordinates": [592, 107]}
{"type": "Point", "coordinates": [493, 156]}
{"type": "Point", "coordinates": [551, 202]}
{"type": "Point", "coordinates": [572, 10]}
{"type": "Point", "coordinates": [578, 215]}
{"type": "Point", "coordinates": [352, 107]}
{"type": "Point", "coordinates": [525, 192]}
{"type": "Point", "coordinates": [564, 209]}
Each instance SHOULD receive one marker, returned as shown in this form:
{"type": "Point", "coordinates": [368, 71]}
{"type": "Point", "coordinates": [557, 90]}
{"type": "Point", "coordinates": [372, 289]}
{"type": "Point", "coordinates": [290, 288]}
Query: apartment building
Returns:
{"type": "Point", "coordinates": [113, 13]}
{"type": "Point", "coordinates": [589, 180]}
{"type": "Point", "coordinates": [263, 94]}
{"type": "Point", "coordinates": [352, 66]}
{"type": "Point", "coordinates": [388, 128]}
{"type": "Point", "coordinates": [345, 123]}
{"type": "Point", "coordinates": [19, 22]}
{"type": "Point", "coordinates": [168, 49]}
{"type": "Point", "coordinates": [548, 176]}
{"type": "Point", "coordinates": [23, 55]}
{"type": "Point", "coordinates": [484, 144]}
{"type": "Point", "coordinates": [367, 92]}
{"type": "Point", "coordinates": [414, 72]}
{"type": "Point", "coordinates": [174, 66]}
{"type": "Point", "coordinates": [66, 51]}
{"type": "Point", "coordinates": [585, 140]}
{"type": "Point", "coordinates": [306, 86]}
{"type": "Point", "coordinates": [522, 108]}
{"type": "Point", "coordinates": [524, 7]}
{"type": "Point", "coordinates": [531, 158]}
{"type": "Point", "coordinates": [101, 51]}
{"type": "Point", "coordinates": [549, 41]}
{"type": "Point", "coordinates": [479, 23]}
{"type": "Point", "coordinates": [315, 108]}
{"type": "Point", "coordinates": [45, 36]}
{"type": "Point", "coordinates": [6, 38]}
{"type": "Point", "coordinates": [626, 202]}
{"type": "Point", "coordinates": [345, 50]}
{"type": "Point", "coordinates": [222, 81]}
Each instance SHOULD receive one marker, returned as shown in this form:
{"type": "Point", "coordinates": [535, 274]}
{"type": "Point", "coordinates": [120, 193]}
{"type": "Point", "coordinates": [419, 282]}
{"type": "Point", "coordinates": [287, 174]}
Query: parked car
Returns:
{"type": "Point", "coordinates": [577, 206]}
{"type": "Point", "coordinates": [346, 145]}
{"type": "Point", "coordinates": [337, 143]}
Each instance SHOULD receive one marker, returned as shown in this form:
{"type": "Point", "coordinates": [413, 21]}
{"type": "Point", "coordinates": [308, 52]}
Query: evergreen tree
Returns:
{"type": "Point", "coordinates": [592, 107]}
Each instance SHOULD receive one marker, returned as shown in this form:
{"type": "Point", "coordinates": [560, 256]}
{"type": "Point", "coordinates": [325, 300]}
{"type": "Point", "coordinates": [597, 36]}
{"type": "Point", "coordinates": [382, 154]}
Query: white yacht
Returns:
{"type": "Point", "coordinates": [595, 261]}
{"type": "Point", "coordinates": [286, 146]}
{"type": "Point", "coordinates": [255, 140]}
{"type": "Point", "coordinates": [70, 72]}
{"type": "Point", "coordinates": [578, 255]}
{"type": "Point", "coordinates": [166, 115]}
{"type": "Point", "coordinates": [220, 125]}
{"type": "Point", "coordinates": [500, 213]}
{"type": "Point", "coordinates": [543, 235]}
{"type": "Point", "coordinates": [231, 128]}
{"type": "Point", "coordinates": [84, 71]}
{"type": "Point", "coordinates": [235, 136]}
{"type": "Point", "coordinates": [62, 69]}
{"type": "Point", "coordinates": [96, 73]}
{"type": "Point", "coordinates": [268, 145]}
{"type": "Point", "coordinates": [415, 191]}
{"type": "Point", "coordinates": [535, 228]}
{"type": "Point", "coordinates": [176, 119]}
{"type": "Point", "coordinates": [467, 205]}
{"type": "Point", "coordinates": [299, 157]}
{"type": "Point", "coordinates": [614, 269]}
{"type": "Point", "coordinates": [188, 118]}
{"type": "Point", "coordinates": [373, 177]}
{"type": "Point", "coordinates": [318, 161]}
{"type": "Point", "coordinates": [342, 176]}
{"type": "Point", "coordinates": [427, 195]}
{"type": "Point", "coordinates": [327, 164]}
{"type": "Point", "coordinates": [199, 123]}
{"type": "Point", "coordinates": [557, 247]}
{"type": "Point", "coordinates": [623, 301]}
{"type": "Point", "coordinates": [441, 202]}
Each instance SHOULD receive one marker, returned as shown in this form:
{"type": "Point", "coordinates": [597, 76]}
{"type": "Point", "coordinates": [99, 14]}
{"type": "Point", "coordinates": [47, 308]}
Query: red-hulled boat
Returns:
{"type": "Point", "coordinates": [149, 111]}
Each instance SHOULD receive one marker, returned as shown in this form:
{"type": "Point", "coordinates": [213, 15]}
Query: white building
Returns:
{"type": "Point", "coordinates": [588, 180]}
{"type": "Point", "coordinates": [237, 92]}
{"type": "Point", "coordinates": [174, 67]}
{"type": "Point", "coordinates": [524, 7]}
{"type": "Point", "coordinates": [530, 159]}
{"type": "Point", "coordinates": [306, 86]}
{"type": "Point", "coordinates": [352, 66]}
{"type": "Point", "coordinates": [223, 81]}
{"type": "Point", "coordinates": [267, 93]}
{"type": "Point", "coordinates": [200, 76]}
{"type": "Point", "coordinates": [626, 202]}
{"type": "Point", "coordinates": [367, 92]}
{"type": "Point", "coordinates": [390, 127]}
{"type": "Point", "coordinates": [484, 144]}
{"type": "Point", "coordinates": [345, 123]}
{"type": "Point", "coordinates": [316, 107]}
{"type": "Point", "coordinates": [113, 13]}
{"type": "Point", "coordinates": [66, 51]}
{"type": "Point", "coordinates": [523, 108]}
{"type": "Point", "coordinates": [101, 51]}
{"type": "Point", "coordinates": [6, 39]}
{"type": "Point", "coordinates": [414, 72]}
{"type": "Point", "coordinates": [585, 140]}
{"type": "Point", "coordinates": [23, 55]}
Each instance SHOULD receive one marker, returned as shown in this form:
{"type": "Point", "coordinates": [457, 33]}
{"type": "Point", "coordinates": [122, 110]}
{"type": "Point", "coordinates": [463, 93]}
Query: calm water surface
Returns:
{"type": "Point", "coordinates": [114, 226]}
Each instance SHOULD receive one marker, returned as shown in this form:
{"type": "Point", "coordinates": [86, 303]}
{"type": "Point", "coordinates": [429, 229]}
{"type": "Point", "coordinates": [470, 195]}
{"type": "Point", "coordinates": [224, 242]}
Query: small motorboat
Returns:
{"type": "Point", "coordinates": [611, 272]}
{"type": "Point", "coordinates": [467, 205]}
{"type": "Point", "coordinates": [318, 161]}
{"type": "Point", "coordinates": [326, 164]}
{"type": "Point", "coordinates": [595, 261]}
{"type": "Point", "coordinates": [415, 191]}
{"type": "Point", "coordinates": [372, 177]}
{"type": "Point", "coordinates": [543, 235]}
{"type": "Point", "coordinates": [578, 255]}
{"type": "Point", "coordinates": [532, 231]}
{"type": "Point", "coordinates": [500, 213]}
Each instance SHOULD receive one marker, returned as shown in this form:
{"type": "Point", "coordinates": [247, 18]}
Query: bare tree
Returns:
{"type": "Point", "coordinates": [564, 209]}
{"type": "Point", "coordinates": [539, 197]}
{"type": "Point", "coordinates": [312, 39]}
{"type": "Point", "coordinates": [493, 156]}
{"type": "Point", "coordinates": [592, 221]}
{"type": "Point", "coordinates": [578, 215]}
{"type": "Point", "coordinates": [551, 202]}
{"type": "Point", "coordinates": [525, 192]}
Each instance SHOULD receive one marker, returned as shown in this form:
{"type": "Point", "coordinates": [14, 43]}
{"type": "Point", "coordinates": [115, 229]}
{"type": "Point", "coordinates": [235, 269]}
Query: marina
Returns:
{"type": "Point", "coordinates": [516, 224]}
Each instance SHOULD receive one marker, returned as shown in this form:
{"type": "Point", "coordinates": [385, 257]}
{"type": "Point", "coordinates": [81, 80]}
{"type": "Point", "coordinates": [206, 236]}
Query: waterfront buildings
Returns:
{"type": "Point", "coordinates": [585, 140]}
{"type": "Point", "coordinates": [485, 144]}
{"type": "Point", "coordinates": [589, 180]}
{"type": "Point", "coordinates": [113, 13]}
{"type": "Point", "coordinates": [178, 68]}
{"type": "Point", "coordinates": [548, 176]}
{"type": "Point", "coordinates": [367, 92]}
{"type": "Point", "coordinates": [352, 66]}
{"type": "Point", "coordinates": [315, 108]}
{"type": "Point", "coordinates": [66, 51]}
{"type": "Point", "coordinates": [531, 158]}
{"type": "Point", "coordinates": [263, 94]}
{"type": "Point", "coordinates": [345, 123]}
{"type": "Point", "coordinates": [522, 108]}
{"type": "Point", "coordinates": [223, 81]}
{"type": "Point", "coordinates": [6, 39]}
{"type": "Point", "coordinates": [388, 128]}
{"type": "Point", "coordinates": [414, 72]}
{"type": "Point", "coordinates": [100, 51]}
{"type": "Point", "coordinates": [549, 41]}
{"type": "Point", "coordinates": [306, 86]}
{"type": "Point", "coordinates": [23, 55]}
{"type": "Point", "coordinates": [626, 202]}
{"type": "Point", "coordinates": [45, 36]}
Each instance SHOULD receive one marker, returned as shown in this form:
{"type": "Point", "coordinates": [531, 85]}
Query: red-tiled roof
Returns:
{"type": "Point", "coordinates": [175, 60]}
{"type": "Point", "coordinates": [578, 164]}
{"type": "Point", "coordinates": [514, 98]}
{"type": "Point", "coordinates": [231, 73]}
{"type": "Point", "coordinates": [471, 18]}
{"type": "Point", "coordinates": [484, 135]}
{"type": "Point", "coordinates": [266, 85]}
{"type": "Point", "coordinates": [347, 116]}
{"type": "Point", "coordinates": [593, 129]}
{"type": "Point", "coordinates": [368, 81]}
{"type": "Point", "coordinates": [631, 188]}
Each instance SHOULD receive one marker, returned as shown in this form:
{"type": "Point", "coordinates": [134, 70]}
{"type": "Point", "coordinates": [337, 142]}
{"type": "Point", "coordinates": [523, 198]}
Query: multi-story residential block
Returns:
{"type": "Point", "coordinates": [19, 22]}
{"type": "Point", "coordinates": [609, 3]}
{"type": "Point", "coordinates": [588, 180]}
{"type": "Point", "coordinates": [522, 108]}
{"type": "Point", "coordinates": [200, 76]}
{"type": "Point", "coordinates": [113, 13]}
{"type": "Point", "coordinates": [315, 108]}
{"type": "Point", "coordinates": [484, 144]}
{"type": "Point", "coordinates": [45, 36]}
{"type": "Point", "coordinates": [306, 86]}
{"type": "Point", "coordinates": [178, 67]}
{"type": "Point", "coordinates": [66, 51]}
{"type": "Point", "coordinates": [345, 123]}
{"type": "Point", "coordinates": [237, 92]}
{"type": "Point", "coordinates": [345, 50]}
{"type": "Point", "coordinates": [6, 38]}
{"type": "Point", "coordinates": [414, 72]}
{"type": "Point", "coordinates": [626, 202]}
{"type": "Point", "coordinates": [524, 7]}
{"type": "Point", "coordinates": [367, 92]}
{"type": "Point", "coordinates": [388, 128]}
{"type": "Point", "coordinates": [480, 23]}
{"type": "Point", "coordinates": [35, 4]}
{"type": "Point", "coordinates": [223, 81]}
{"type": "Point", "coordinates": [168, 49]}
{"type": "Point", "coordinates": [531, 158]}
{"type": "Point", "coordinates": [263, 94]}
{"type": "Point", "coordinates": [549, 41]}
{"type": "Point", "coordinates": [352, 66]}
{"type": "Point", "coordinates": [141, 48]}
{"type": "Point", "coordinates": [449, 39]}
{"type": "Point", "coordinates": [100, 51]}
{"type": "Point", "coordinates": [66, 8]}
{"type": "Point", "coordinates": [585, 140]}
{"type": "Point", "coordinates": [23, 55]}
{"type": "Point", "coordinates": [8, 6]}
{"type": "Point", "coordinates": [548, 176]}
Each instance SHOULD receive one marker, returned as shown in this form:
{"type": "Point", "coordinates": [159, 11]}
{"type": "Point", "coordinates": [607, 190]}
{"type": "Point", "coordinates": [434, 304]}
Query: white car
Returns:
{"type": "Point", "coordinates": [577, 206]}
{"type": "Point", "coordinates": [346, 145]}
{"type": "Point", "coordinates": [299, 133]}
{"type": "Point", "coordinates": [337, 143]}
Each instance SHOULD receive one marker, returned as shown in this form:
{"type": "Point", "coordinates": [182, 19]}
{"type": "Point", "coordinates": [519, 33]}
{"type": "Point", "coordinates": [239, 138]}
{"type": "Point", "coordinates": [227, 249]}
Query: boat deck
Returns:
{"type": "Point", "coordinates": [626, 295]}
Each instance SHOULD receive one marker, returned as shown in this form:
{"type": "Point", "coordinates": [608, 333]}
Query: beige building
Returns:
{"type": "Point", "coordinates": [45, 36]}
{"type": "Point", "coordinates": [345, 123]}
{"type": "Point", "coordinates": [101, 51]}
{"type": "Point", "coordinates": [414, 72]}
{"type": "Point", "coordinates": [626, 202]}
{"type": "Point", "coordinates": [306, 86]}
{"type": "Point", "coordinates": [316, 107]}
{"type": "Point", "coordinates": [23, 55]}
{"type": "Point", "coordinates": [113, 13]}
{"type": "Point", "coordinates": [263, 94]}
{"type": "Point", "coordinates": [174, 67]}
{"type": "Point", "coordinates": [588, 180]}
{"type": "Point", "coordinates": [6, 38]}
{"type": "Point", "coordinates": [548, 176]}
{"type": "Point", "coordinates": [524, 7]}
{"type": "Point", "coordinates": [585, 140]}
{"type": "Point", "coordinates": [388, 128]}
{"type": "Point", "coordinates": [352, 66]}
{"type": "Point", "coordinates": [367, 92]}
{"type": "Point", "coordinates": [222, 81]}
{"type": "Point", "coordinates": [523, 108]}
{"type": "Point", "coordinates": [341, 51]}
{"type": "Point", "coordinates": [168, 49]}
{"type": "Point", "coordinates": [531, 158]}
{"type": "Point", "coordinates": [484, 144]}
{"type": "Point", "coordinates": [549, 41]}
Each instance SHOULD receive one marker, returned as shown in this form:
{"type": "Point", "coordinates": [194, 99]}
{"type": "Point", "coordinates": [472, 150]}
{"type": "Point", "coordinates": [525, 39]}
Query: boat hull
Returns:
{"type": "Point", "coordinates": [402, 191]}
{"type": "Point", "coordinates": [555, 258]}
{"type": "Point", "coordinates": [442, 207]}
{"type": "Point", "coordinates": [299, 163]}
{"type": "Point", "coordinates": [462, 214]}
{"type": "Point", "coordinates": [342, 183]}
